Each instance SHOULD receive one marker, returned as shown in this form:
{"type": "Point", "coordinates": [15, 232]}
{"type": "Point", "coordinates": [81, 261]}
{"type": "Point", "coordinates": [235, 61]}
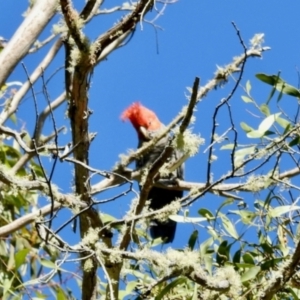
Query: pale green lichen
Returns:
{"type": "Point", "coordinates": [99, 247]}
{"type": "Point", "coordinates": [123, 159]}
{"type": "Point", "coordinates": [257, 40]}
{"type": "Point", "coordinates": [132, 207]}
{"type": "Point", "coordinates": [183, 259]}
{"type": "Point", "coordinates": [213, 158]}
{"type": "Point", "coordinates": [224, 277]}
{"type": "Point", "coordinates": [91, 237]}
{"type": "Point", "coordinates": [59, 28]}
{"type": "Point", "coordinates": [187, 142]}
{"type": "Point", "coordinates": [171, 209]}
{"type": "Point", "coordinates": [115, 257]}
{"type": "Point", "coordinates": [144, 175]}
{"type": "Point", "coordinates": [129, 214]}
{"type": "Point", "coordinates": [88, 265]}
{"type": "Point", "coordinates": [95, 47]}
{"type": "Point", "coordinates": [285, 185]}
{"type": "Point", "coordinates": [74, 58]}
{"type": "Point", "coordinates": [257, 183]}
{"type": "Point", "coordinates": [164, 171]}
{"type": "Point", "coordinates": [75, 209]}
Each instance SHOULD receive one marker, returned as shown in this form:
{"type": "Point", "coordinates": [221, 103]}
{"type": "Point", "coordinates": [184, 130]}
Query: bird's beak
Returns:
{"type": "Point", "coordinates": [144, 133]}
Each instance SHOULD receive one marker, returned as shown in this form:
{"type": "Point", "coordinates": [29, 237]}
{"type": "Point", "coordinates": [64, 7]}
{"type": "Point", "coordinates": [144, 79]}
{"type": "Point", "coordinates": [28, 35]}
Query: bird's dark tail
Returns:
{"type": "Point", "coordinates": [158, 199]}
{"type": "Point", "coordinates": [164, 230]}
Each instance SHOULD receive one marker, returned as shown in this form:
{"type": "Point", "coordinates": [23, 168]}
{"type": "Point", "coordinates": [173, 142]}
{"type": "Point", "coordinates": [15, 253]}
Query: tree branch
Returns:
{"type": "Point", "coordinates": [18, 46]}
{"type": "Point", "coordinates": [72, 20]}
{"type": "Point", "coordinates": [13, 104]}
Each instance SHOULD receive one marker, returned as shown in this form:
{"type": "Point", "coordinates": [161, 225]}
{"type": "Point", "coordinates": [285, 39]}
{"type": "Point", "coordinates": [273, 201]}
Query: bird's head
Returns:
{"type": "Point", "coordinates": [143, 120]}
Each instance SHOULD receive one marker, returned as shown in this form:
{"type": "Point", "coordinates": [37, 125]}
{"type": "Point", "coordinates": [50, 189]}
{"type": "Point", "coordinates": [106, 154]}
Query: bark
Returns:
{"type": "Point", "coordinates": [78, 110]}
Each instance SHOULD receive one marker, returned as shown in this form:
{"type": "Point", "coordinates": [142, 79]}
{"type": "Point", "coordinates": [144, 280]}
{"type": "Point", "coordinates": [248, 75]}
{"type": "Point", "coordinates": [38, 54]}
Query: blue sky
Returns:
{"type": "Point", "coordinates": [157, 66]}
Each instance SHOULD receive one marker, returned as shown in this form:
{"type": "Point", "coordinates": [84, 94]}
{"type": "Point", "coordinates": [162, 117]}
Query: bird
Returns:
{"type": "Point", "coordinates": [147, 125]}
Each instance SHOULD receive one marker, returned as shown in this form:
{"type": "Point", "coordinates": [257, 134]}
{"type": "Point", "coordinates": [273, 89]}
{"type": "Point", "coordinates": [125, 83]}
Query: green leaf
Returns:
{"type": "Point", "coordinates": [226, 202]}
{"type": "Point", "coordinates": [267, 122]}
{"type": "Point", "coordinates": [20, 257]}
{"type": "Point", "coordinates": [264, 126]}
{"type": "Point", "coordinates": [287, 128]}
{"type": "Point", "coordinates": [246, 127]}
{"type": "Point", "coordinates": [288, 89]}
{"type": "Point", "coordinates": [3, 248]}
{"type": "Point", "coordinates": [223, 253]}
{"type": "Point", "coordinates": [269, 132]}
{"type": "Point", "coordinates": [209, 262]}
{"type": "Point", "coordinates": [248, 259]}
{"type": "Point", "coordinates": [279, 96]}
{"type": "Point", "coordinates": [195, 292]}
{"type": "Point", "coordinates": [206, 213]}
{"type": "Point", "coordinates": [48, 264]}
{"type": "Point", "coordinates": [123, 294]}
{"type": "Point", "coordinates": [40, 295]}
{"type": "Point", "coordinates": [279, 84]}
{"type": "Point", "coordinates": [36, 168]}
{"type": "Point", "coordinates": [280, 210]}
{"type": "Point", "coordinates": [270, 264]}
{"type": "Point", "coordinates": [293, 293]}
{"type": "Point", "coordinates": [247, 99]}
{"type": "Point", "coordinates": [237, 256]}
{"type": "Point", "coordinates": [295, 141]}
{"type": "Point", "coordinates": [193, 239]}
{"type": "Point", "coordinates": [213, 232]}
{"type": "Point", "coordinates": [268, 249]}
{"type": "Point", "coordinates": [244, 265]}
{"type": "Point", "coordinates": [7, 285]}
{"type": "Point", "coordinates": [247, 216]}
{"type": "Point", "coordinates": [269, 79]}
{"type": "Point", "coordinates": [241, 153]}
{"type": "Point", "coordinates": [11, 260]}
{"type": "Point", "coordinates": [11, 152]}
{"type": "Point", "coordinates": [282, 122]}
{"type": "Point", "coordinates": [205, 246]}
{"type": "Point", "coordinates": [227, 147]}
{"type": "Point", "coordinates": [229, 227]}
{"type": "Point", "coordinates": [60, 294]}
{"type": "Point", "coordinates": [264, 108]}
{"type": "Point", "coordinates": [250, 274]}
{"type": "Point", "coordinates": [248, 87]}
{"type": "Point", "coordinates": [273, 90]}
{"type": "Point", "coordinates": [131, 286]}
{"type": "Point", "coordinates": [169, 287]}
